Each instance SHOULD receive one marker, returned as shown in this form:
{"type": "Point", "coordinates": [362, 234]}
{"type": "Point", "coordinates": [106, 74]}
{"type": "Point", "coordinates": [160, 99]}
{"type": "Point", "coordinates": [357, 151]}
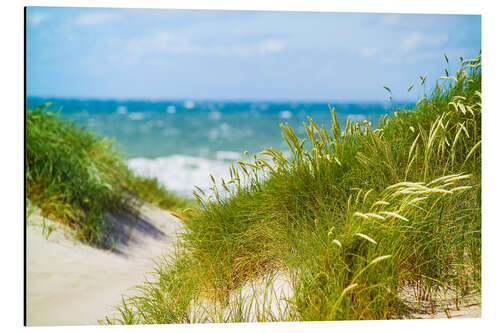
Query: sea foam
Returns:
{"type": "Point", "coordinates": [180, 173]}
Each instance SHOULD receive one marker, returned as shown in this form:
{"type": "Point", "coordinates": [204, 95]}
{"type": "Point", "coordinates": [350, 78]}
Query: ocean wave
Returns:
{"type": "Point", "coordinates": [180, 173]}
{"type": "Point", "coordinates": [228, 155]}
{"type": "Point", "coordinates": [286, 114]}
{"type": "Point", "coordinates": [136, 116]}
{"type": "Point", "coordinates": [189, 104]}
{"type": "Point", "coordinates": [171, 109]}
{"type": "Point", "coordinates": [121, 109]}
{"type": "Point", "coordinates": [215, 115]}
{"type": "Point", "coordinates": [357, 117]}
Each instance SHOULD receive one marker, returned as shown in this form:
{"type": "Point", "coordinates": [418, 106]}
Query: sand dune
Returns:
{"type": "Point", "coordinates": [69, 283]}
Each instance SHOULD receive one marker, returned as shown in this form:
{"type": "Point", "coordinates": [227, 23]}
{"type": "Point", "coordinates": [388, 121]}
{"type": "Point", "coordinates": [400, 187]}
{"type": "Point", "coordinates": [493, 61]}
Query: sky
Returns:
{"type": "Point", "coordinates": [161, 54]}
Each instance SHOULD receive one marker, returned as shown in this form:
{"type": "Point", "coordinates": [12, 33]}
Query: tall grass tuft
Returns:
{"type": "Point", "coordinates": [77, 178]}
{"type": "Point", "coordinates": [356, 214]}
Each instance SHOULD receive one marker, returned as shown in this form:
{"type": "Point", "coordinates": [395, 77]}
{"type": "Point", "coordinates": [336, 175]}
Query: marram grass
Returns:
{"type": "Point", "coordinates": [76, 178]}
{"type": "Point", "coordinates": [354, 215]}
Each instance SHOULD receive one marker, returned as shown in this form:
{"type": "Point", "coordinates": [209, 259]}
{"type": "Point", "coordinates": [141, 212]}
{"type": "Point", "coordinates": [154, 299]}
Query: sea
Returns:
{"type": "Point", "coordinates": [182, 142]}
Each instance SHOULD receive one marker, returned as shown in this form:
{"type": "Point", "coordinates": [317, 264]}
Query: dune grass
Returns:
{"type": "Point", "coordinates": [76, 178]}
{"type": "Point", "coordinates": [355, 215]}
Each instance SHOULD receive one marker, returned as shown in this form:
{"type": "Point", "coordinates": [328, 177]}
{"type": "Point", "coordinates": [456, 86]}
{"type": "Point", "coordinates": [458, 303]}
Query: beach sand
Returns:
{"type": "Point", "coordinates": [70, 283]}
{"type": "Point", "coordinates": [444, 305]}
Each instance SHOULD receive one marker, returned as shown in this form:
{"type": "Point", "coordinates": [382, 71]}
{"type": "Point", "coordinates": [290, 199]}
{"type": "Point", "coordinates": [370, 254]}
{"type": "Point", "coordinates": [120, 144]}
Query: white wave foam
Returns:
{"type": "Point", "coordinates": [357, 117]}
{"type": "Point", "coordinates": [121, 109]}
{"type": "Point", "coordinates": [286, 114]}
{"type": "Point", "coordinates": [215, 115]}
{"type": "Point", "coordinates": [136, 116]}
{"type": "Point", "coordinates": [228, 155]}
{"type": "Point", "coordinates": [181, 173]}
{"type": "Point", "coordinates": [189, 104]}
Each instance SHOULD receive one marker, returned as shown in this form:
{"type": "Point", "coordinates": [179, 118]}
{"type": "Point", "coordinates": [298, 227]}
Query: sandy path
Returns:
{"type": "Point", "coordinates": [71, 283]}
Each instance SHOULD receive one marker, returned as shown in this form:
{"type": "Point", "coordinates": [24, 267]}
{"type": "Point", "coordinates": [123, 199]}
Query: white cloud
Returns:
{"type": "Point", "coordinates": [417, 40]}
{"type": "Point", "coordinates": [271, 45]}
{"type": "Point", "coordinates": [95, 18]}
{"type": "Point", "coordinates": [165, 42]}
{"type": "Point", "coordinates": [368, 51]}
{"type": "Point", "coordinates": [158, 43]}
{"type": "Point", "coordinates": [36, 18]}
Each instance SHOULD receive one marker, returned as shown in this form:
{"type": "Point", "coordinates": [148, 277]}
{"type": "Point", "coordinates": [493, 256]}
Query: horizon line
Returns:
{"type": "Point", "coordinates": [226, 100]}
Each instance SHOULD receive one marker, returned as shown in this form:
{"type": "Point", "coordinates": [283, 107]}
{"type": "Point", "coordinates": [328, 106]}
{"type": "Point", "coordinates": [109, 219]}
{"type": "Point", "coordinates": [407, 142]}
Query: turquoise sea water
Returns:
{"type": "Point", "coordinates": [182, 142]}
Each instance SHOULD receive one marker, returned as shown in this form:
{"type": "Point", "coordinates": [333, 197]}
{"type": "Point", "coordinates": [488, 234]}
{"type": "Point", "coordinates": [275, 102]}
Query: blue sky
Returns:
{"type": "Point", "coordinates": [240, 55]}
